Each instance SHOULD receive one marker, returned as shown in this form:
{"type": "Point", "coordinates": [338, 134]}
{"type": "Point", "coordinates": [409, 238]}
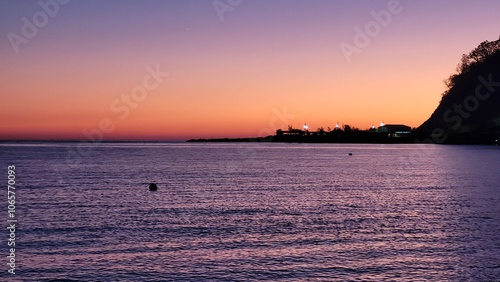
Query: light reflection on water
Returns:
{"type": "Point", "coordinates": [258, 211]}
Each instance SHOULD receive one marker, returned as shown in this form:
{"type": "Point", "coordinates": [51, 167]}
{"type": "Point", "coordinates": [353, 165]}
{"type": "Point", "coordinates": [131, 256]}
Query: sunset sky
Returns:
{"type": "Point", "coordinates": [236, 68]}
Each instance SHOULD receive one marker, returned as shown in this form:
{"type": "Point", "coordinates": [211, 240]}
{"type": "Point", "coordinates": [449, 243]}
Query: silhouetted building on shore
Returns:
{"type": "Point", "coordinates": [395, 130]}
{"type": "Point", "coordinates": [290, 132]}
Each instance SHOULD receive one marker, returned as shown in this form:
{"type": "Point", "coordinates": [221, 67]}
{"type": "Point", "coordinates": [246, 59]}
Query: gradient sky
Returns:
{"type": "Point", "coordinates": [230, 77]}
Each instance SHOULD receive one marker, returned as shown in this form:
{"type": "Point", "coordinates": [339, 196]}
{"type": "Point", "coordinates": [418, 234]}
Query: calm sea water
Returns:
{"type": "Point", "coordinates": [228, 212]}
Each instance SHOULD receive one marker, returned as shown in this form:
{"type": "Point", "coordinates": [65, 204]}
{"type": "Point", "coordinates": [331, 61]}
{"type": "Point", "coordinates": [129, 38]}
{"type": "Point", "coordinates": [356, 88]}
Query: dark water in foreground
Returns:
{"type": "Point", "coordinates": [290, 212]}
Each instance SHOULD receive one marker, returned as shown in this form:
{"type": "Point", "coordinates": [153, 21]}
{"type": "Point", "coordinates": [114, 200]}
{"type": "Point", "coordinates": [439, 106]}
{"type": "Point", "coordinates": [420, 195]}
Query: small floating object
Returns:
{"type": "Point", "coordinates": [153, 187]}
{"type": "Point", "coordinates": [350, 154]}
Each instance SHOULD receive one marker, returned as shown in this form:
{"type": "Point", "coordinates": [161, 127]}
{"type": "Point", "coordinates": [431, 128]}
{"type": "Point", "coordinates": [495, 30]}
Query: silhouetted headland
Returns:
{"type": "Point", "coordinates": [469, 112]}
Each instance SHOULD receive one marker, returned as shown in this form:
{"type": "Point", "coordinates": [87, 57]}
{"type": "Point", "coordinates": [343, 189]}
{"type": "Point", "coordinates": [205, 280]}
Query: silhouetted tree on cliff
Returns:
{"type": "Point", "coordinates": [478, 55]}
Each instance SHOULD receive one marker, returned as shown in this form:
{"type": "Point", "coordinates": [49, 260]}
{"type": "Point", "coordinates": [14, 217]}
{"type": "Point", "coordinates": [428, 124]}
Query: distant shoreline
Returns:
{"type": "Point", "coordinates": [310, 139]}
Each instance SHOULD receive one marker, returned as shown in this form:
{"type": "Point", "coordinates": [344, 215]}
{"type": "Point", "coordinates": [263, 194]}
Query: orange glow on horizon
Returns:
{"type": "Point", "coordinates": [227, 79]}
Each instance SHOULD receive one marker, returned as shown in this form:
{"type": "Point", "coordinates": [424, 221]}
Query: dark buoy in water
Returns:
{"type": "Point", "coordinates": [153, 187]}
{"type": "Point", "coordinates": [350, 154]}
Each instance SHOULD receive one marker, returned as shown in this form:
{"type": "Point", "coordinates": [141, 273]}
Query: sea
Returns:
{"type": "Point", "coordinates": [250, 212]}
